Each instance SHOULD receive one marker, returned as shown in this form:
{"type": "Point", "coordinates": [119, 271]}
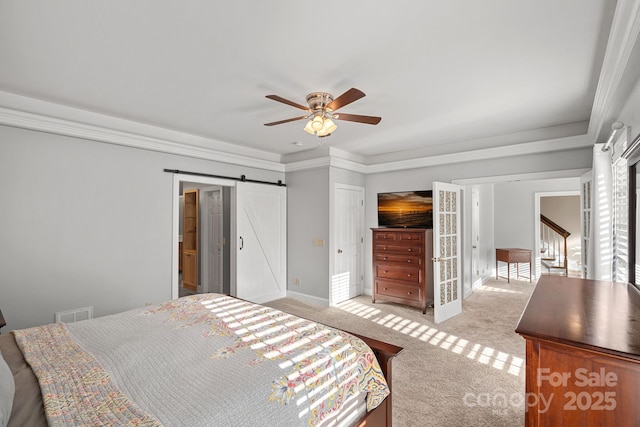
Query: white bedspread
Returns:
{"type": "Point", "coordinates": [204, 360]}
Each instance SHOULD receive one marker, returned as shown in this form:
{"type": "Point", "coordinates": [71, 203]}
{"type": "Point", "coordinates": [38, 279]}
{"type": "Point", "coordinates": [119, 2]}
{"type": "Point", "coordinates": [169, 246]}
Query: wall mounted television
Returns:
{"type": "Point", "coordinates": [407, 209]}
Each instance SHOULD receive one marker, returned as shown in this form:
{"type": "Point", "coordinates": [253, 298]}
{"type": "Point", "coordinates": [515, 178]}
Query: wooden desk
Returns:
{"type": "Point", "coordinates": [583, 353]}
{"type": "Point", "coordinates": [513, 255]}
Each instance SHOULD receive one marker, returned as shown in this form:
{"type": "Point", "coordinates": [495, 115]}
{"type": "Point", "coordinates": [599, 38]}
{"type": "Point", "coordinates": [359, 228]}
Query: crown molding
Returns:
{"type": "Point", "coordinates": [332, 157]}
{"type": "Point", "coordinates": [335, 159]}
{"type": "Point", "coordinates": [567, 173]}
{"type": "Point", "coordinates": [144, 137]}
{"type": "Point", "coordinates": [623, 37]}
{"type": "Point", "coordinates": [300, 165]}
{"type": "Point", "coordinates": [558, 144]}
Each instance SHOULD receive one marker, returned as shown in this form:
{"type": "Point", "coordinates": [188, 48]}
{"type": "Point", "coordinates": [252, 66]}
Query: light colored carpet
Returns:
{"type": "Point", "coordinates": [467, 371]}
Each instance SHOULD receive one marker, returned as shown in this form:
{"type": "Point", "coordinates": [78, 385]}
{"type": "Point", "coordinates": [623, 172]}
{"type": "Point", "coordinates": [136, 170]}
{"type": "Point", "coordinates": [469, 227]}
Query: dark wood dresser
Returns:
{"type": "Point", "coordinates": [402, 271]}
{"type": "Point", "coordinates": [583, 353]}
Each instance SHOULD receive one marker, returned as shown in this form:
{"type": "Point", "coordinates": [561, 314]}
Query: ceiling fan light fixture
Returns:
{"type": "Point", "coordinates": [320, 125]}
{"type": "Point", "coordinates": [321, 111]}
{"type": "Point", "coordinates": [328, 128]}
{"type": "Point", "coordinates": [317, 123]}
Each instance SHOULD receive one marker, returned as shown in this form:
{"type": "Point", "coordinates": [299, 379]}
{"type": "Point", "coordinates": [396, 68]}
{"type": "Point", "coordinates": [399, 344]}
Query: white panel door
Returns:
{"type": "Point", "coordinates": [447, 292]}
{"type": "Point", "coordinates": [261, 246]}
{"type": "Point", "coordinates": [348, 243]}
{"type": "Point", "coordinates": [214, 241]}
{"type": "Point", "coordinates": [476, 279]}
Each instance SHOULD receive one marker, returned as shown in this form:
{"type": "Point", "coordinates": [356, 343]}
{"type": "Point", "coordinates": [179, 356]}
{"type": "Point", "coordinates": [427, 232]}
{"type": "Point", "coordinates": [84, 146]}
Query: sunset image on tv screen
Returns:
{"type": "Point", "coordinates": [405, 209]}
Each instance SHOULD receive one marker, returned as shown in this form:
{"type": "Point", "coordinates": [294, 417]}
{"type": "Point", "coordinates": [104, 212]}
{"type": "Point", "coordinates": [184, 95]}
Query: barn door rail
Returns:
{"type": "Point", "coordinates": [242, 178]}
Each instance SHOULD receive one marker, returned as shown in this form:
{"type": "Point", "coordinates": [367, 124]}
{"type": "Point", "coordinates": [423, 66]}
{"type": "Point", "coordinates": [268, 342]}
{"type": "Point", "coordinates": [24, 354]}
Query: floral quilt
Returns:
{"type": "Point", "coordinates": [202, 360]}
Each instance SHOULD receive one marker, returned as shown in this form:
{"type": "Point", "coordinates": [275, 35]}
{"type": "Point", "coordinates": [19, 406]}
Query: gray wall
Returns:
{"type": "Point", "coordinates": [515, 218]}
{"type": "Point", "coordinates": [515, 209]}
{"type": "Point", "coordinates": [86, 224]}
{"type": "Point", "coordinates": [308, 219]}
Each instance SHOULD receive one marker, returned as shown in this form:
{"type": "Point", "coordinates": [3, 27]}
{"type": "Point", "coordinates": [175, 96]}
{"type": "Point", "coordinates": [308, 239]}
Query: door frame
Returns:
{"type": "Point", "coordinates": [177, 179]}
{"type": "Point", "coordinates": [537, 265]}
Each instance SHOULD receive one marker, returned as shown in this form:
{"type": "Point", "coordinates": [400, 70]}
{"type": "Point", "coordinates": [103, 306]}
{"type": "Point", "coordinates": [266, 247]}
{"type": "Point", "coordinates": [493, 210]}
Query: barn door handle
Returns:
{"type": "Point", "coordinates": [241, 243]}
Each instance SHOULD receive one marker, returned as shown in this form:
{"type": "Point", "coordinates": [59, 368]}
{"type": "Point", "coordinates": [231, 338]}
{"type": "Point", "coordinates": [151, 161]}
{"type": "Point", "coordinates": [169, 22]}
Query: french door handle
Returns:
{"type": "Point", "coordinates": [438, 259]}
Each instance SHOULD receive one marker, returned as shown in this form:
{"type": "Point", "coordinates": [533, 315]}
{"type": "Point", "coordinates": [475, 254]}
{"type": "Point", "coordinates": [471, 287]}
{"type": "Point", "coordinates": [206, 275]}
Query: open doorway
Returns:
{"type": "Point", "coordinates": [558, 234]}
{"type": "Point", "coordinates": [213, 263]}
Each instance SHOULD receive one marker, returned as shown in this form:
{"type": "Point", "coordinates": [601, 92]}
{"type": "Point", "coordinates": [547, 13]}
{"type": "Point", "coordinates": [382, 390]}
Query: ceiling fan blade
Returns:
{"type": "Point", "coordinates": [348, 97]}
{"type": "Point", "coordinates": [286, 101]}
{"type": "Point", "coordinates": [285, 121]}
{"type": "Point", "coordinates": [370, 120]}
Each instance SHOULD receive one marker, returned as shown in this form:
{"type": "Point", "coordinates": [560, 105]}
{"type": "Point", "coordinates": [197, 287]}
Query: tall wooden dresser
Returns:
{"type": "Point", "coordinates": [583, 353]}
{"type": "Point", "coordinates": [402, 269]}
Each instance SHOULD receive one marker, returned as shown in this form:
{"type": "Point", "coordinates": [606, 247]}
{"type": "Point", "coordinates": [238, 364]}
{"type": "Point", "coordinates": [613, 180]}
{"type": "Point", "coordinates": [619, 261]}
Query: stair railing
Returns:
{"type": "Point", "coordinates": [554, 243]}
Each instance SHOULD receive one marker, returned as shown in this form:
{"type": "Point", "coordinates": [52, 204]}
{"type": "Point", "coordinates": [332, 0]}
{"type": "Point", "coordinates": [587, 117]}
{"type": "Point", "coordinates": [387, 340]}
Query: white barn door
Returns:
{"type": "Point", "coordinates": [261, 242]}
{"type": "Point", "coordinates": [447, 292]}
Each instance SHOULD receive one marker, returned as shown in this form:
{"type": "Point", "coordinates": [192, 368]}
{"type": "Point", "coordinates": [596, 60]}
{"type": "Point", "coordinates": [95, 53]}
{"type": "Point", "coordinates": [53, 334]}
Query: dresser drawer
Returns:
{"type": "Point", "coordinates": [383, 236]}
{"type": "Point", "coordinates": [407, 260]}
{"type": "Point", "coordinates": [409, 238]}
{"type": "Point", "coordinates": [399, 290]}
{"type": "Point", "coordinates": [389, 271]}
{"type": "Point", "coordinates": [397, 249]}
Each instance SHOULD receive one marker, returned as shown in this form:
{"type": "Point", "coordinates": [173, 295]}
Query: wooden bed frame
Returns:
{"type": "Point", "coordinates": [385, 352]}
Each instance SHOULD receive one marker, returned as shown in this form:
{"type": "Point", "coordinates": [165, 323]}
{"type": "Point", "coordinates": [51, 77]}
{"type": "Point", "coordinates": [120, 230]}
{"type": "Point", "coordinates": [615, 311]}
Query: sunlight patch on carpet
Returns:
{"type": "Point", "coordinates": [482, 354]}
{"type": "Point", "coordinates": [486, 288]}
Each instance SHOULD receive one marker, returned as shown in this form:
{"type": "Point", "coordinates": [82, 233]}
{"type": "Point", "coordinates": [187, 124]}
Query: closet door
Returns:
{"type": "Point", "coordinates": [261, 246]}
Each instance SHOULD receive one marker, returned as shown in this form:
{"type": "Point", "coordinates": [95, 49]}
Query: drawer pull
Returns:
{"type": "Point", "coordinates": [385, 289]}
{"type": "Point", "coordinates": [384, 259]}
{"type": "Point", "coordinates": [408, 275]}
{"type": "Point", "coordinates": [409, 250]}
{"type": "Point", "coordinates": [385, 271]}
{"type": "Point", "coordinates": [408, 293]}
{"type": "Point", "coordinates": [409, 261]}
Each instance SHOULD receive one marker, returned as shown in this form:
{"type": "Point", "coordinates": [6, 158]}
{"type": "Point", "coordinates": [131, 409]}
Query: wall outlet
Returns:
{"type": "Point", "coordinates": [296, 281]}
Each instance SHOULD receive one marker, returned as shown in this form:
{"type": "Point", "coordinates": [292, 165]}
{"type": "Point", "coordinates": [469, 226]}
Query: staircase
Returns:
{"type": "Point", "coordinates": [553, 247]}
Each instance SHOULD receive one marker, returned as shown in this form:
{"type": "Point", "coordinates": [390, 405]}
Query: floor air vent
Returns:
{"type": "Point", "coordinates": [75, 315]}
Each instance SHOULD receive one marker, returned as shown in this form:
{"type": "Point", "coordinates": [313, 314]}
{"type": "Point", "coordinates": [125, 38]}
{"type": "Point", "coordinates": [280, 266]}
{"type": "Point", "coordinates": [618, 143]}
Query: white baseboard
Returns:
{"type": "Point", "coordinates": [309, 299]}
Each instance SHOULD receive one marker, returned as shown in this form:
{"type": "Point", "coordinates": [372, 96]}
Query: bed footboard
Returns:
{"type": "Point", "coordinates": [385, 352]}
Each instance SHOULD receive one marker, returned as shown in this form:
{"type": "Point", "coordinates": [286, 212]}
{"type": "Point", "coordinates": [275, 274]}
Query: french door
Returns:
{"type": "Point", "coordinates": [447, 292]}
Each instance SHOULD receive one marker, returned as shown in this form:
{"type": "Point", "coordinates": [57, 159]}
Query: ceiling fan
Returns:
{"type": "Point", "coordinates": [321, 111]}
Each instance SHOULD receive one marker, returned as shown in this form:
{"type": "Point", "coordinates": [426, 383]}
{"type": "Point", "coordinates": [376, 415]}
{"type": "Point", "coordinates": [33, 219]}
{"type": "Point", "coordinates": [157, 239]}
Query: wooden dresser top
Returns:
{"type": "Point", "coordinates": [590, 314]}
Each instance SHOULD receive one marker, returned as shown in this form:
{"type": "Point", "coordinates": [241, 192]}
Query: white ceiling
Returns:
{"type": "Point", "coordinates": [444, 76]}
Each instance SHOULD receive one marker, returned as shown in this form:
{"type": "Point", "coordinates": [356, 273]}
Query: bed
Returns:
{"type": "Point", "coordinates": [201, 360]}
